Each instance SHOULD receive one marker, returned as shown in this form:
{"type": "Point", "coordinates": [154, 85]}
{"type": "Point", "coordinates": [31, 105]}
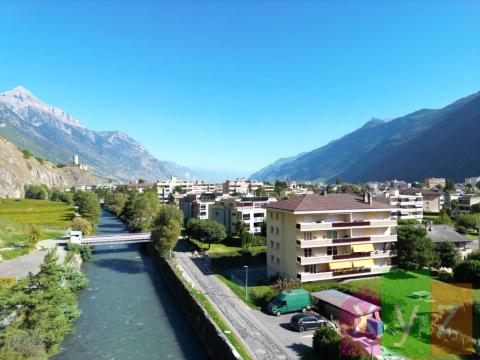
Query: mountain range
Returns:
{"type": "Point", "coordinates": [427, 143]}
{"type": "Point", "coordinates": [52, 133]}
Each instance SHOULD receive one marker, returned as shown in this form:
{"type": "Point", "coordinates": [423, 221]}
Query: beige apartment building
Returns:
{"type": "Point", "coordinates": [435, 182]}
{"type": "Point", "coordinates": [325, 237]}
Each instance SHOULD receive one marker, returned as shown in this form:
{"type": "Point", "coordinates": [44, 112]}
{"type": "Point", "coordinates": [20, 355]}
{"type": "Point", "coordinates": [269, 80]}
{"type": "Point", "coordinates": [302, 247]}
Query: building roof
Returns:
{"type": "Point", "coordinates": [445, 233]}
{"type": "Point", "coordinates": [348, 303]}
{"type": "Point", "coordinates": [313, 202]}
{"type": "Point", "coordinates": [428, 192]}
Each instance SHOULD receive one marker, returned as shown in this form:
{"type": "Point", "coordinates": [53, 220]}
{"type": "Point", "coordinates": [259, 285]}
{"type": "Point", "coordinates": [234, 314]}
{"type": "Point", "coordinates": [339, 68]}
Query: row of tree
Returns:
{"type": "Point", "coordinates": [43, 192]}
{"type": "Point", "coordinates": [44, 308]}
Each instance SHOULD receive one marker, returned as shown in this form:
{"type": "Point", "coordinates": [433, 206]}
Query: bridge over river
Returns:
{"type": "Point", "coordinates": [123, 238]}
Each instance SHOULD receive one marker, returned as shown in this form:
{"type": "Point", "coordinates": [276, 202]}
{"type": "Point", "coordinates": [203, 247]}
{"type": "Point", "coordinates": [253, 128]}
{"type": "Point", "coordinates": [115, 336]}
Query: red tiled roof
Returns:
{"type": "Point", "coordinates": [313, 202]}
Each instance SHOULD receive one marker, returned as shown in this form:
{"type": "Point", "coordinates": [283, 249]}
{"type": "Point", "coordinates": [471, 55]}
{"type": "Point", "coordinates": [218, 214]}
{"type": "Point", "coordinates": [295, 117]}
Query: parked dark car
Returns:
{"type": "Point", "coordinates": [309, 321]}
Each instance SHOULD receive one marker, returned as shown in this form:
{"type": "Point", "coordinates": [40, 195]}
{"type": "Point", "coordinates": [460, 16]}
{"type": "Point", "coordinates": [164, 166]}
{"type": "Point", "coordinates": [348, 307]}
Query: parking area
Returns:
{"type": "Point", "coordinates": [279, 326]}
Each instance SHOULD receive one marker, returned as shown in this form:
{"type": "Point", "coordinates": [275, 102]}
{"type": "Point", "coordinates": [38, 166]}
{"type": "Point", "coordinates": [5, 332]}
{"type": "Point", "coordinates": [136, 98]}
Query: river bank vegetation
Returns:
{"type": "Point", "coordinates": [37, 312]}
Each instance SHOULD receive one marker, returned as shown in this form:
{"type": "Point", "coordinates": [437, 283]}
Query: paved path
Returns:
{"type": "Point", "coordinates": [240, 317]}
{"type": "Point", "coordinates": [21, 266]}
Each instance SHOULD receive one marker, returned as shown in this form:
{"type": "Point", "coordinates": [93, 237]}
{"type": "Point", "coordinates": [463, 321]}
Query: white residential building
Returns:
{"type": "Point", "coordinates": [332, 236]}
{"type": "Point", "coordinates": [465, 203]}
{"type": "Point", "coordinates": [406, 203]}
{"type": "Point", "coordinates": [241, 186]}
{"type": "Point", "coordinates": [250, 210]}
{"type": "Point", "coordinates": [473, 181]}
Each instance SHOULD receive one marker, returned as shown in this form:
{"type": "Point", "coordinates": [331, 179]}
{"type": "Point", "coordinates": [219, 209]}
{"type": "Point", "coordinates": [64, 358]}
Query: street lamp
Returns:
{"type": "Point", "coordinates": [246, 281]}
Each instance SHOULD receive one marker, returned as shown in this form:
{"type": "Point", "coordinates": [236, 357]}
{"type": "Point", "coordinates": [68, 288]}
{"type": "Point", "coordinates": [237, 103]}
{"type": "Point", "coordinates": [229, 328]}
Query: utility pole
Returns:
{"type": "Point", "coordinates": [246, 281]}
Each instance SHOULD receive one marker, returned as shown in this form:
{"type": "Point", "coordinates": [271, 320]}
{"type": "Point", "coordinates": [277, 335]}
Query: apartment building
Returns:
{"type": "Point", "coordinates": [435, 182]}
{"type": "Point", "coordinates": [197, 205]}
{"type": "Point", "coordinates": [251, 210]}
{"type": "Point", "coordinates": [472, 181]}
{"type": "Point", "coordinates": [465, 203]}
{"type": "Point", "coordinates": [332, 236]}
{"type": "Point", "coordinates": [432, 201]}
{"type": "Point", "coordinates": [241, 186]}
{"type": "Point", "coordinates": [166, 187]}
{"type": "Point", "coordinates": [406, 203]}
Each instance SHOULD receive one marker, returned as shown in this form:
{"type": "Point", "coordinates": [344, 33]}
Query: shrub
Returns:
{"type": "Point", "coordinates": [26, 154]}
{"type": "Point", "coordinates": [445, 276]}
{"type": "Point", "coordinates": [261, 297]}
{"type": "Point", "coordinates": [326, 343]}
{"type": "Point", "coordinates": [468, 271]}
{"type": "Point", "coordinates": [84, 251]}
{"type": "Point", "coordinates": [83, 225]}
{"type": "Point", "coordinates": [232, 260]}
{"type": "Point", "coordinates": [33, 236]}
{"type": "Point", "coordinates": [461, 229]}
{"type": "Point", "coordinates": [474, 255]}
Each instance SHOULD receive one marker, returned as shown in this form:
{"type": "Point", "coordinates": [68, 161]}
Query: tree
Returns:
{"type": "Point", "coordinates": [475, 208]}
{"type": "Point", "coordinates": [213, 232]}
{"type": "Point", "coordinates": [20, 344]}
{"type": "Point", "coordinates": [55, 195]}
{"type": "Point", "coordinates": [36, 192]}
{"type": "Point", "coordinates": [469, 221]}
{"type": "Point", "coordinates": [141, 181]}
{"type": "Point", "coordinates": [117, 202]}
{"type": "Point", "coordinates": [240, 227]}
{"type": "Point", "coordinates": [338, 181]}
{"type": "Point", "coordinates": [468, 271]}
{"type": "Point", "coordinates": [33, 236]}
{"type": "Point", "coordinates": [260, 191]}
{"type": "Point", "coordinates": [88, 206]}
{"type": "Point", "coordinates": [414, 249]}
{"type": "Point", "coordinates": [443, 218]}
{"type": "Point", "coordinates": [143, 212]}
{"type": "Point", "coordinates": [474, 255]}
{"type": "Point", "coordinates": [326, 344]}
{"type": "Point", "coordinates": [448, 254]}
{"type": "Point", "coordinates": [449, 185]}
{"type": "Point", "coordinates": [178, 190]}
{"type": "Point", "coordinates": [67, 197]}
{"type": "Point", "coordinates": [166, 229]}
{"type": "Point", "coordinates": [83, 225]}
{"type": "Point", "coordinates": [26, 154]}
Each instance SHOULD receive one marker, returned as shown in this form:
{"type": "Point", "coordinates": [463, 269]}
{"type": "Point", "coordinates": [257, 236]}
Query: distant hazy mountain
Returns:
{"type": "Point", "coordinates": [443, 142]}
{"type": "Point", "coordinates": [52, 133]}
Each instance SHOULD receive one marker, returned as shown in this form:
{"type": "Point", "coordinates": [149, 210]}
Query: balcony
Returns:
{"type": "Point", "coordinates": [317, 242]}
{"type": "Point", "coordinates": [311, 260]}
{"type": "Point", "coordinates": [318, 226]}
{"type": "Point", "coordinates": [258, 219]}
{"type": "Point", "coordinates": [328, 275]}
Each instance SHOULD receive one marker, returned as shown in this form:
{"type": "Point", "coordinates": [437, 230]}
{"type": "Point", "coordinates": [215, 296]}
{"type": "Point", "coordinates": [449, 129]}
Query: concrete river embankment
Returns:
{"type": "Point", "coordinates": [127, 311]}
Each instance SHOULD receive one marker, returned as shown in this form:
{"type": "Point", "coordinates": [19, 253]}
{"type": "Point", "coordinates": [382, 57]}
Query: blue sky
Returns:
{"type": "Point", "coordinates": [239, 84]}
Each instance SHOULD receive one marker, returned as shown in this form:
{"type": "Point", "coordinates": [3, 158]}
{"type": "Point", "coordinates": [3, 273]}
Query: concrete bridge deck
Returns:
{"type": "Point", "coordinates": [124, 238]}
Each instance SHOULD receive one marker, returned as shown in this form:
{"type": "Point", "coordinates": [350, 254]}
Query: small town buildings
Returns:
{"type": "Point", "coordinates": [406, 203]}
{"type": "Point", "coordinates": [472, 181]}
{"type": "Point", "coordinates": [432, 201]}
{"type": "Point", "coordinates": [197, 205]}
{"type": "Point", "coordinates": [347, 309]}
{"type": "Point", "coordinates": [241, 186]}
{"type": "Point", "coordinates": [465, 203]}
{"type": "Point", "coordinates": [435, 182]}
{"type": "Point", "coordinates": [167, 187]}
{"type": "Point", "coordinates": [250, 210]}
{"type": "Point", "coordinates": [331, 236]}
{"type": "Point", "coordinates": [446, 233]}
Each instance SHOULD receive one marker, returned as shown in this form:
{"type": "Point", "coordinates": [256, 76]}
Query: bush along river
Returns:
{"type": "Point", "coordinates": [128, 311]}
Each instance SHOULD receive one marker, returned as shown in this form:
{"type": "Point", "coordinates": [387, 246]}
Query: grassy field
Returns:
{"type": "Point", "coordinates": [222, 248]}
{"type": "Point", "coordinates": [16, 217]}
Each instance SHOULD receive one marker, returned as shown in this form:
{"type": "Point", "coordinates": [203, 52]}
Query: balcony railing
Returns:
{"type": "Point", "coordinates": [351, 239]}
{"type": "Point", "coordinates": [318, 226]}
{"type": "Point", "coordinates": [317, 242]}
{"type": "Point", "coordinates": [351, 255]}
{"type": "Point", "coordinates": [350, 223]}
{"type": "Point", "coordinates": [351, 272]}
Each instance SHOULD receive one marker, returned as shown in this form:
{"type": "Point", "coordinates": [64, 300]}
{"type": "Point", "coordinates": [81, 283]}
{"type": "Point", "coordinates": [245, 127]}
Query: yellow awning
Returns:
{"type": "Point", "coordinates": [340, 265]}
{"type": "Point", "coordinates": [362, 248]}
{"type": "Point", "coordinates": [365, 263]}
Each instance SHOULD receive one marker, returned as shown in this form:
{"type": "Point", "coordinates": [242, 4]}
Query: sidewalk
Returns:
{"type": "Point", "coordinates": [21, 266]}
{"type": "Point", "coordinates": [240, 317]}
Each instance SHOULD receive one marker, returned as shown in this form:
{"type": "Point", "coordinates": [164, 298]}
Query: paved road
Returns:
{"type": "Point", "coordinates": [242, 319]}
{"type": "Point", "coordinates": [21, 266]}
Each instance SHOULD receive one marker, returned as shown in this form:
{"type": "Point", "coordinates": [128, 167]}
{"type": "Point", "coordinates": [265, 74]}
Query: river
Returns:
{"type": "Point", "coordinates": [127, 310]}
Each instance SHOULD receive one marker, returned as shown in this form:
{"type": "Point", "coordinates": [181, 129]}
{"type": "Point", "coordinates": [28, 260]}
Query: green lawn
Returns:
{"type": "Point", "coordinates": [222, 248]}
{"type": "Point", "coordinates": [17, 216]}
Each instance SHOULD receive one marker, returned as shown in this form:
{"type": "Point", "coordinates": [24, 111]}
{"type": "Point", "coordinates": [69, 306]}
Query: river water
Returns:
{"type": "Point", "coordinates": [127, 310]}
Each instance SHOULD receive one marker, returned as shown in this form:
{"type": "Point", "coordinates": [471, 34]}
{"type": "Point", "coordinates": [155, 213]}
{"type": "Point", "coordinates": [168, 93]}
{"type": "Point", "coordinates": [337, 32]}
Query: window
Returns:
{"type": "Point", "coordinates": [332, 234]}
{"type": "Point", "coordinates": [278, 246]}
{"type": "Point", "coordinates": [332, 250]}
{"type": "Point", "coordinates": [273, 258]}
{"type": "Point", "coordinates": [307, 235]}
{"type": "Point", "coordinates": [271, 229]}
{"type": "Point", "coordinates": [278, 231]}
{"type": "Point", "coordinates": [246, 216]}
{"type": "Point", "coordinates": [271, 243]}
{"type": "Point", "coordinates": [278, 260]}
{"type": "Point", "coordinates": [312, 269]}
{"type": "Point", "coordinates": [307, 252]}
